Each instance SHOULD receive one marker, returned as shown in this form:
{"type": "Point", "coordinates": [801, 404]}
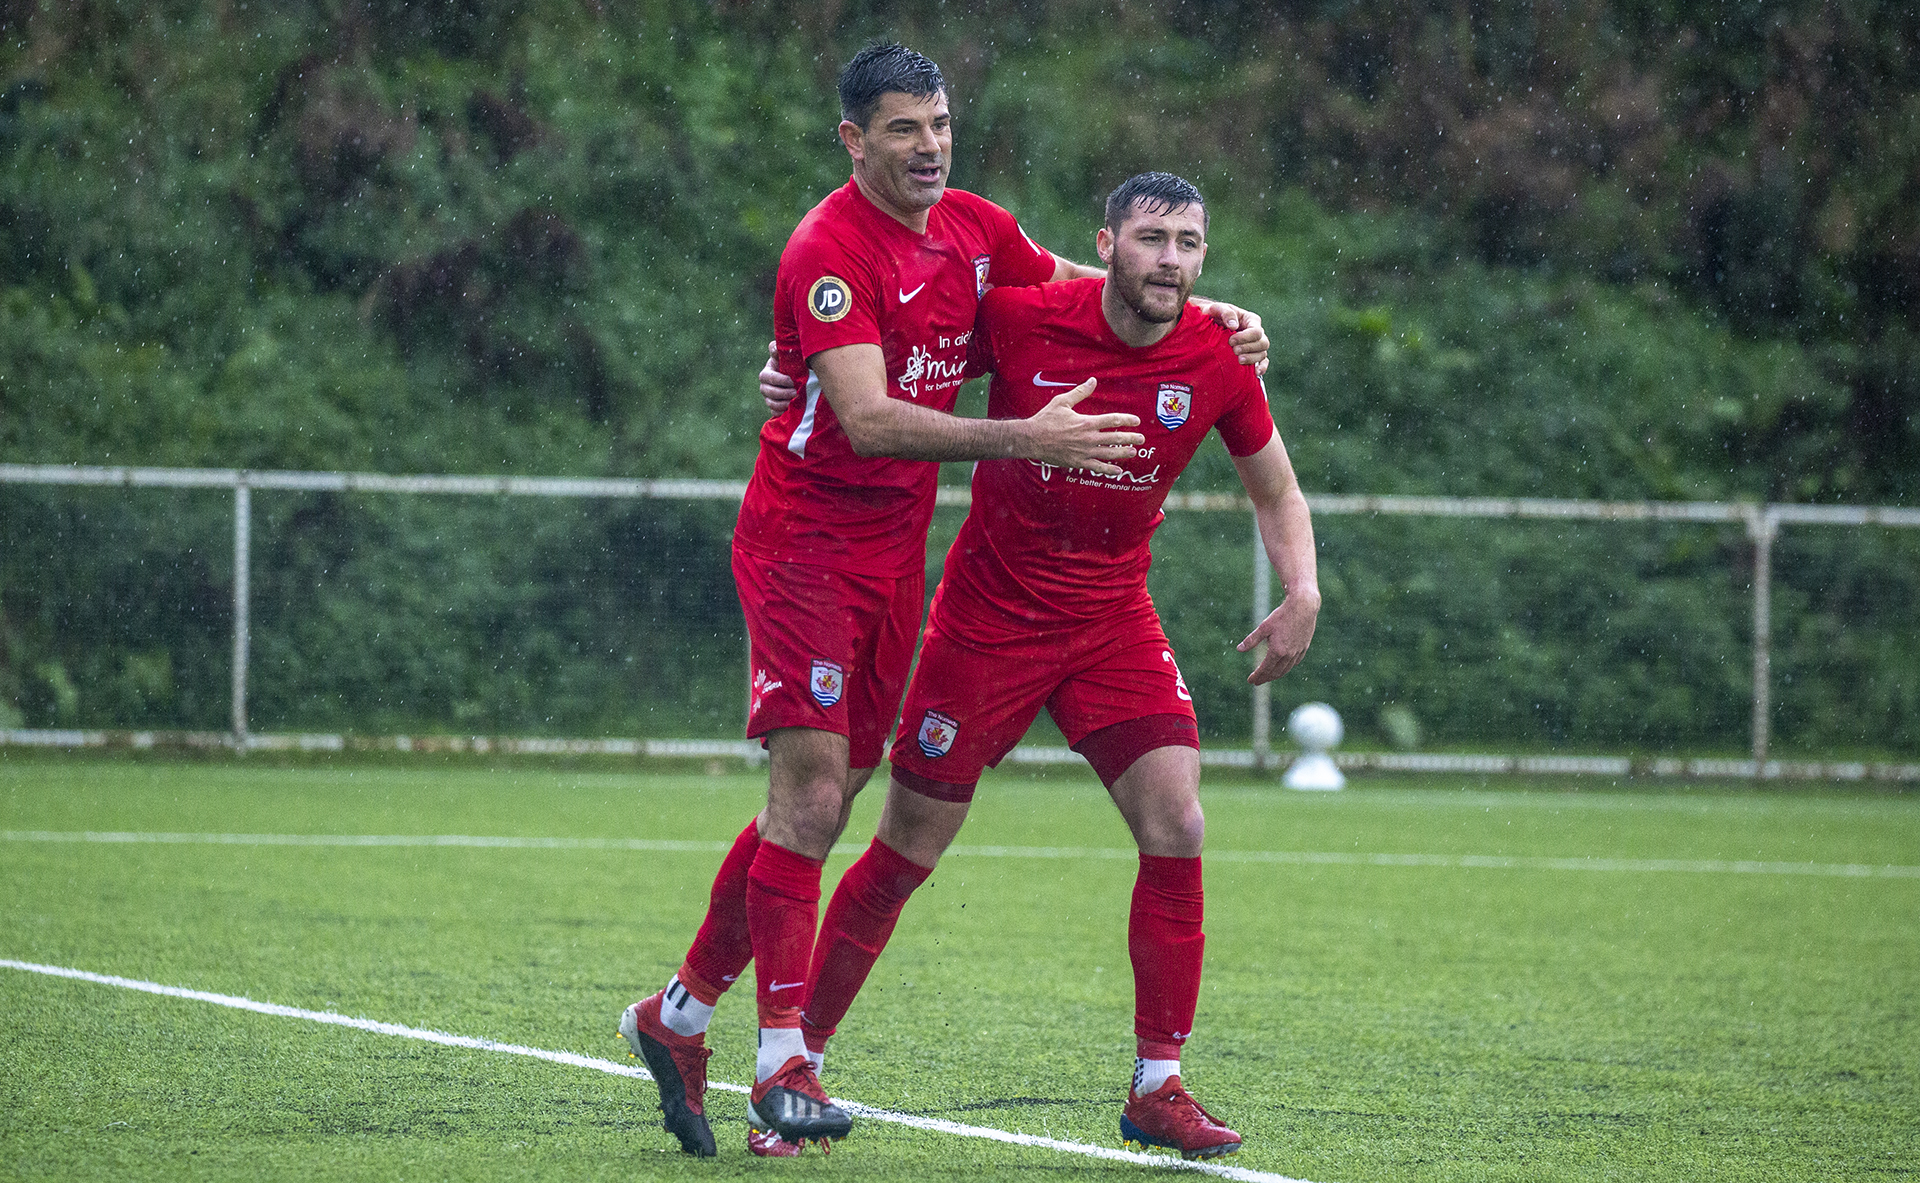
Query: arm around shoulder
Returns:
{"type": "Point", "coordinates": [853, 379]}
{"type": "Point", "coordinates": [1065, 269]}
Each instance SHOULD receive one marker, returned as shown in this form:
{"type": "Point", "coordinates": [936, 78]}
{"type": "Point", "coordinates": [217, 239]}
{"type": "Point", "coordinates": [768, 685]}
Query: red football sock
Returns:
{"type": "Point", "coordinates": [1165, 943]}
{"type": "Point", "coordinates": [721, 949]}
{"type": "Point", "coordinates": [783, 905]}
{"type": "Point", "coordinates": [860, 918]}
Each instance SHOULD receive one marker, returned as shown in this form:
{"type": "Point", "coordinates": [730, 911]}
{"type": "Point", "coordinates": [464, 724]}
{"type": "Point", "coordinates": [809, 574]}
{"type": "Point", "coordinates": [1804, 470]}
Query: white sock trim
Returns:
{"type": "Point", "coordinates": [682, 1012]}
{"type": "Point", "coordinates": [777, 1046]}
{"type": "Point", "coordinates": [1149, 1075]}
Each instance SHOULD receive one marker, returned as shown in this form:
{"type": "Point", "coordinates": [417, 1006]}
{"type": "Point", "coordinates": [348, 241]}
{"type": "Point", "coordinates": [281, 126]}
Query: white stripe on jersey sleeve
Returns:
{"type": "Point", "coordinates": [801, 434]}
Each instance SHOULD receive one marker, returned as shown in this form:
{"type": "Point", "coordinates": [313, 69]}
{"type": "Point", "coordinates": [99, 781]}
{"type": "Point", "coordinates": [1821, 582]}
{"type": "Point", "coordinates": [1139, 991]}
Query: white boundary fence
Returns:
{"type": "Point", "coordinates": [1762, 524]}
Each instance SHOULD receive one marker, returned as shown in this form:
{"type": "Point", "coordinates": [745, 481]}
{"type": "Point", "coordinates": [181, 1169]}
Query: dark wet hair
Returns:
{"type": "Point", "coordinates": [1158, 193]}
{"type": "Point", "coordinates": [884, 68]}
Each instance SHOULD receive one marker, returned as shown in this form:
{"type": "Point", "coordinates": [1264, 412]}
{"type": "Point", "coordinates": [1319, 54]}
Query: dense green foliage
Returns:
{"type": "Point", "coordinates": [1622, 251]}
{"type": "Point", "coordinates": [1359, 1021]}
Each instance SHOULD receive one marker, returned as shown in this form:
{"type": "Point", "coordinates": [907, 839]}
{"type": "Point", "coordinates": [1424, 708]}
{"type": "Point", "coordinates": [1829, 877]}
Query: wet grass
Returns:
{"type": "Point", "coordinates": [1359, 1020]}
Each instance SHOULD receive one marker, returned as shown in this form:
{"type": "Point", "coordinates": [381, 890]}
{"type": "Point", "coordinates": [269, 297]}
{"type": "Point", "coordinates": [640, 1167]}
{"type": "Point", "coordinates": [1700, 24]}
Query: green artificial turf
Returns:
{"type": "Point", "coordinates": [1358, 1021]}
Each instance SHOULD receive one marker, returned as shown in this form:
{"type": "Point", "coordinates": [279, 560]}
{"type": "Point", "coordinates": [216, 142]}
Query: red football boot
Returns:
{"type": "Point", "coordinates": [768, 1144]}
{"type": "Point", "coordinates": [792, 1104]}
{"type": "Point", "coordinates": [1169, 1116]}
{"type": "Point", "coordinates": [679, 1066]}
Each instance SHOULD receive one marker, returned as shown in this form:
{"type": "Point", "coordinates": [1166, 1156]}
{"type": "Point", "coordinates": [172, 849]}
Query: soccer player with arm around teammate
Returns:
{"type": "Point", "coordinates": [874, 307]}
{"type": "Point", "coordinates": [1044, 603]}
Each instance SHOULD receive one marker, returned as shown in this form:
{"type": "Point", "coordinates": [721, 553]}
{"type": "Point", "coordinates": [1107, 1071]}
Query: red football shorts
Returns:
{"type": "Point", "coordinates": [968, 707]}
{"type": "Point", "coordinates": [829, 649]}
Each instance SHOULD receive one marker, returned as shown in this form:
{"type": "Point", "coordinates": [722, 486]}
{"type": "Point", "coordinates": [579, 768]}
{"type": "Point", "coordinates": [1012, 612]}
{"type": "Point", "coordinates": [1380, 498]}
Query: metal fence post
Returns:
{"type": "Point", "coordinates": [1262, 695]}
{"type": "Point", "coordinates": [1763, 526]}
{"type": "Point", "coordinates": [242, 546]}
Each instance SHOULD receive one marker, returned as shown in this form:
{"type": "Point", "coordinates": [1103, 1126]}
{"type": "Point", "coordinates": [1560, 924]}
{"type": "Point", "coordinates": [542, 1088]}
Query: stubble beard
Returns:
{"type": "Point", "coordinates": [1133, 292]}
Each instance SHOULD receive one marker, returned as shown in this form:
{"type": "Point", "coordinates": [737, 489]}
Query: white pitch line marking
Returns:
{"type": "Point", "coordinates": [612, 1068]}
{"type": "Point", "coordinates": [1292, 857]}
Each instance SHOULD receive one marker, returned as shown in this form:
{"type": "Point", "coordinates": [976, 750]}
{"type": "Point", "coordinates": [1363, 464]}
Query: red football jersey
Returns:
{"type": "Point", "coordinates": [853, 275]}
{"type": "Point", "coordinates": [1043, 547]}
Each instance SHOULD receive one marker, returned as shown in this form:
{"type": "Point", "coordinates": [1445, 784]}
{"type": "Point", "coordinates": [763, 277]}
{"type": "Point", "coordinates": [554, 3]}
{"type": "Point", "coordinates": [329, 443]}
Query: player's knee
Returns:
{"type": "Point", "coordinates": [922, 845]}
{"type": "Point", "coordinates": [1179, 830]}
{"type": "Point", "coordinates": [917, 827]}
{"type": "Point", "coordinates": [807, 825]}
{"type": "Point", "coordinates": [807, 809]}
{"type": "Point", "coordinates": [1191, 834]}
{"type": "Point", "coordinates": [821, 802]}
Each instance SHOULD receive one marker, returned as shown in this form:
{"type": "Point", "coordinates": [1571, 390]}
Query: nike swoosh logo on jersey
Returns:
{"type": "Point", "coordinates": [1039, 381]}
{"type": "Point", "coordinates": [905, 296]}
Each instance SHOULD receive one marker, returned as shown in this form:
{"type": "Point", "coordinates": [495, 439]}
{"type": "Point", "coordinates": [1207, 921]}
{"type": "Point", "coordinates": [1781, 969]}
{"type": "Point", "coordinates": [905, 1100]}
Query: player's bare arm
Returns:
{"type": "Point", "coordinates": [854, 380]}
{"type": "Point", "coordinates": [1249, 339]}
{"type": "Point", "coordinates": [1286, 530]}
{"type": "Point", "coordinates": [1249, 343]}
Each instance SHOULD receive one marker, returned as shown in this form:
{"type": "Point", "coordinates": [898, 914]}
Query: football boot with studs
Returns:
{"type": "Point", "coordinates": [679, 1067]}
{"type": "Point", "coordinates": [1170, 1117]}
{"type": "Point", "coordinates": [791, 1104]}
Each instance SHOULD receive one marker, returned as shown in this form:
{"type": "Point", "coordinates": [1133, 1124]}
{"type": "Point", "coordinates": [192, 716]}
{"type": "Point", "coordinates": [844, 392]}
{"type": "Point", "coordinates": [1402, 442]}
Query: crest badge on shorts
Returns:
{"type": "Point", "coordinates": [981, 263]}
{"type": "Point", "coordinates": [936, 735]}
{"type": "Point", "coordinates": [827, 682]}
{"type": "Point", "coordinates": [1174, 405]}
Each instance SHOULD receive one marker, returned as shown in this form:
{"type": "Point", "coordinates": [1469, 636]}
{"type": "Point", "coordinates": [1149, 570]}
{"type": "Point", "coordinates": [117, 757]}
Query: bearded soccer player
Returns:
{"type": "Point", "coordinates": [873, 314]}
{"type": "Point", "coordinates": [1044, 603]}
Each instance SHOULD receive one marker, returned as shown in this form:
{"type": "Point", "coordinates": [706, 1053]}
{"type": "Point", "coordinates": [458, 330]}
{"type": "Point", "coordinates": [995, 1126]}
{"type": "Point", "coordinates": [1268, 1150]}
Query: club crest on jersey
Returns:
{"type": "Point", "coordinates": [829, 298]}
{"type": "Point", "coordinates": [936, 735]}
{"type": "Point", "coordinates": [980, 265]}
{"type": "Point", "coordinates": [1175, 404]}
{"type": "Point", "coordinates": [827, 682]}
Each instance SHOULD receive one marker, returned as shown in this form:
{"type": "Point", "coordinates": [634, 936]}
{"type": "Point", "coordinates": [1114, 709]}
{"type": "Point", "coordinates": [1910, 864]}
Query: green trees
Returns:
{"type": "Point", "coordinates": [1614, 251]}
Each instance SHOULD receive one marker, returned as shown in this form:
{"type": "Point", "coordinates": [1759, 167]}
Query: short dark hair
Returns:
{"type": "Point", "coordinates": [883, 68]}
{"type": "Point", "coordinates": [1160, 193]}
